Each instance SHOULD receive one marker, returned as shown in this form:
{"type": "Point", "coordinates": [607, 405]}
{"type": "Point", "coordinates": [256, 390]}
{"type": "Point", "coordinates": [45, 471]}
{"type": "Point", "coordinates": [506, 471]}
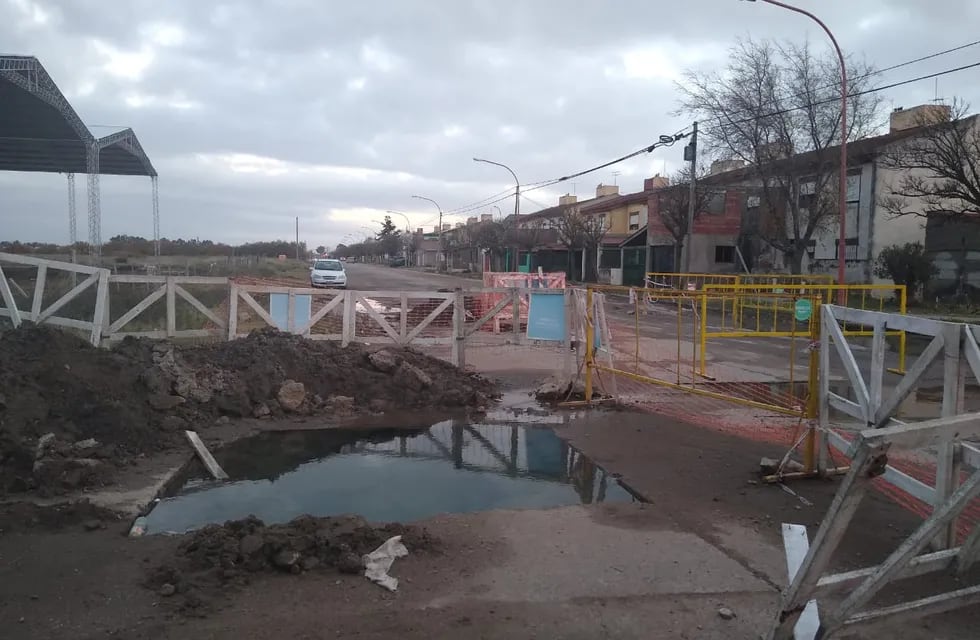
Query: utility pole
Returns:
{"type": "Point", "coordinates": [297, 237]}
{"type": "Point", "coordinates": [691, 153]}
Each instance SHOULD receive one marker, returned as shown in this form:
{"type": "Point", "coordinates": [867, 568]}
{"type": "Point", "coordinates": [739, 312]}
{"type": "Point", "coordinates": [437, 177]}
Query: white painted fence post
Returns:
{"type": "Point", "coordinates": [233, 311]}
{"type": "Point", "coordinates": [459, 329]}
{"type": "Point", "coordinates": [350, 318]}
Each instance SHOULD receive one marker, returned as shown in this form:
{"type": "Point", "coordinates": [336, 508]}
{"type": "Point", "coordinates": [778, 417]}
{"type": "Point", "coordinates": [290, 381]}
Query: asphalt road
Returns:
{"type": "Point", "coordinates": [370, 277]}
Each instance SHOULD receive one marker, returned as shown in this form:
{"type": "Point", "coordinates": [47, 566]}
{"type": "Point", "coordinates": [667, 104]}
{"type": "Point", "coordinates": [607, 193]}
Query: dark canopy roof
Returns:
{"type": "Point", "coordinates": [40, 131]}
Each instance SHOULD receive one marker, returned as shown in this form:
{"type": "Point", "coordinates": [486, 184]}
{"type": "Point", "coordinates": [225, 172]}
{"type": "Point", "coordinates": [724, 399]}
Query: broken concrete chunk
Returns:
{"type": "Point", "coordinates": [414, 378]}
{"type": "Point", "coordinates": [726, 614]}
{"type": "Point", "coordinates": [43, 443]}
{"type": "Point", "coordinates": [261, 410]}
{"type": "Point", "coordinates": [285, 559]}
{"type": "Point", "coordinates": [291, 395]}
{"type": "Point", "coordinates": [384, 361]}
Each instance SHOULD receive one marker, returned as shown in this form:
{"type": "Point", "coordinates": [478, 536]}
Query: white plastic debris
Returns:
{"type": "Point", "coordinates": [378, 562]}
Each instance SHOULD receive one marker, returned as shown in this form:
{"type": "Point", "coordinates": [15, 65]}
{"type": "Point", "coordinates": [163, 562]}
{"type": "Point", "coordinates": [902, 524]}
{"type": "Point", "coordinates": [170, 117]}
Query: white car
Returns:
{"type": "Point", "coordinates": [328, 273]}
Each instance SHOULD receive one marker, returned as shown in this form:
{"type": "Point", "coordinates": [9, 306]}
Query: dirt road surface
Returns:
{"type": "Point", "coordinates": [708, 538]}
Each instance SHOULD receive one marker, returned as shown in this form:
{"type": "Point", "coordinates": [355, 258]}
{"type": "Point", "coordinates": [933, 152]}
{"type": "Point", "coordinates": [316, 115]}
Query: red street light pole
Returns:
{"type": "Point", "coordinates": [841, 242]}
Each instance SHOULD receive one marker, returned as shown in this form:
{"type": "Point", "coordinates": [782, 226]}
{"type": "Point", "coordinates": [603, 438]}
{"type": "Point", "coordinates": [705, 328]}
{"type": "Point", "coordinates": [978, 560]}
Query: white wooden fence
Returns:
{"type": "Point", "coordinates": [420, 318]}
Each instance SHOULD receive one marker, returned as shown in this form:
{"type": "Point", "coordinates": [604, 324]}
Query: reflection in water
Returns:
{"type": "Point", "coordinates": [451, 467]}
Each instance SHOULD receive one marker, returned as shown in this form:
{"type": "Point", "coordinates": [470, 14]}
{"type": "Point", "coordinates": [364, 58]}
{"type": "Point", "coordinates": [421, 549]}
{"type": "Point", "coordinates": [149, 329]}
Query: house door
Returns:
{"type": "Point", "coordinates": [662, 258]}
{"type": "Point", "coordinates": [634, 266]}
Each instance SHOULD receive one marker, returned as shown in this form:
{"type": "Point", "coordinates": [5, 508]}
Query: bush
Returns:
{"type": "Point", "coordinates": [905, 264]}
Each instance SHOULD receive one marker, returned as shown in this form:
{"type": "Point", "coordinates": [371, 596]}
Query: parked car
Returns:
{"type": "Point", "coordinates": [328, 273]}
{"type": "Point", "coordinates": [398, 261]}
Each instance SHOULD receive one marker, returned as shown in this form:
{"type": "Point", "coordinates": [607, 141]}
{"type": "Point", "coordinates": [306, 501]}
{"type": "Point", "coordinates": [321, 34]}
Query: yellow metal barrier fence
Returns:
{"type": "Point", "coordinates": [657, 343]}
{"type": "Point", "coordinates": [768, 310]}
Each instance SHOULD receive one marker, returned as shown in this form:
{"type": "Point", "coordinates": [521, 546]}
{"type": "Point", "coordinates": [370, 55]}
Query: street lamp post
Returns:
{"type": "Point", "coordinates": [842, 239]}
{"type": "Point", "coordinates": [442, 256]}
{"type": "Point", "coordinates": [517, 196]}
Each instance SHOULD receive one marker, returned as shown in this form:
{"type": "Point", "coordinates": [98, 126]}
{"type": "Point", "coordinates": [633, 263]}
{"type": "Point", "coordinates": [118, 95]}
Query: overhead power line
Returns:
{"type": "Point", "coordinates": [683, 133]}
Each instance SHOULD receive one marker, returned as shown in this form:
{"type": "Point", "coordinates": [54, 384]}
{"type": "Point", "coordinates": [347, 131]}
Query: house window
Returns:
{"type": "Point", "coordinates": [724, 254]}
{"type": "Point", "coordinates": [602, 221]}
{"type": "Point", "coordinates": [716, 205]}
{"type": "Point", "coordinates": [634, 220]}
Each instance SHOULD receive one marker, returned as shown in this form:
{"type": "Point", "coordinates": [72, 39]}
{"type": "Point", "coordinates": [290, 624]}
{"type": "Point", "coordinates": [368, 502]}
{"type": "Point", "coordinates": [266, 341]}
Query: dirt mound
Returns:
{"type": "Point", "coordinates": [70, 413]}
{"type": "Point", "coordinates": [220, 555]}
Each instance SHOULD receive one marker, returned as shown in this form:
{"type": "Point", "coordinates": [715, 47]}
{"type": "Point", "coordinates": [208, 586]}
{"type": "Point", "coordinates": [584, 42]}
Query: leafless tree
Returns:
{"type": "Point", "coordinates": [777, 107]}
{"type": "Point", "coordinates": [939, 168]}
{"type": "Point", "coordinates": [674, 202]}
{"type": "Point", "coordinates": [580, 231]}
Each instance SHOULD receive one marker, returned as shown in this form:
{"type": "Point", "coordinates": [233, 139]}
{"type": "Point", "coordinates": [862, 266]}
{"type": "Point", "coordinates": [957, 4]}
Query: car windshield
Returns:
{"type": "Point", "coordinates": [328, 265]}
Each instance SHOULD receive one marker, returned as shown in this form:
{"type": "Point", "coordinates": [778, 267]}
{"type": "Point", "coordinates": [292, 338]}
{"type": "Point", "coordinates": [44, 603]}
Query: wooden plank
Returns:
{"type": "Point", "coordinates": [846, 406]}
{"type": "Point", "coordinates": [910, 547]}
{"type": "Point", "coordinates": [233, 312]}
{"type": "Point", "coordinates": [68, 297]}
{"type": "Point", "coordinates": [53, 264]}
{"type": "Point", "coordinates": [877, 377]}
{"type": "Point", "coordinates": [377, 317]}
{"type": "Point", "coordinates": [197, 304]}
{"type": "Point", "coordinates": [403, 318]}
{"type": "Point", "coordinates": [202, 452]}
{"type": "Point", "coordinates": [971, 350]}
{"type": "Point", "coordinates": [349, 328]}
{"type": "Point", "coordinates": [8, 300]}
{"type": "Point", "coordinates": [851, 368]}
{"type": "Point", "coordinates": [918, 566]}
{"type": "Point", "coordinates": [321, 313]}
{"type": "Point", "coordinates": [832, 528]}
{"type": "Point", "coordinates": [143, 305]}
{"type": "Point", "coordinates": [796, 544]}
{"type": "Point", "coordinates": [928, 433]}
{"type": "Point", "coordinates": [915, 609]}
{"type": "Point", "coordinates": [823, 411]}
{"type": "Point", "coordinates": [131, 279]}
{"type": "Point", "coordinates": [970, 455]}
{"type": "Point", "coordinates": [211, 280]}
{"type": "Point", "coordinates": [968, 551]}
{"type": "Point", "coordinates": [459, 330]}
{"type": "Point", "coordinates": [428, 320]}
{"type": "Point", "coordinates": [71, 323]}
{"type": "Point", "coordinates": [947, 462]}
{"type": "Point", "coordinates": [171, 307]}
{"type": "Point", "coordinates": [448, 340]}
{"type": "Point", "coordinates": [38, 299]}
{"type": "Point", "coordinates": [912, 324]}
{"type": "Point", "coordinates": [256, 307]}
{"type": "Point", "coordinates": [909, 381]}
{"type": "Point", "coordinates": [497, 308]}
{"type": "Point", "coordinates": [101, 304]}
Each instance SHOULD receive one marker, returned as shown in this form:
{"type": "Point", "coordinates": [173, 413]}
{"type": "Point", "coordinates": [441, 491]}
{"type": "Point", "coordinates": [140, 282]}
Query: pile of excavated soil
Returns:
{"type": "Point", "coordinates": [218, 556]}
{"type": "Point", "coordinates": [71, 413]}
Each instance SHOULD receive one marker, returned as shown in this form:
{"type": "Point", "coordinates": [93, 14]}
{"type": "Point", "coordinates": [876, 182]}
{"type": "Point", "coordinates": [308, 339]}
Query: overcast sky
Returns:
{"type": "Point", "coordinates": [256, 112]}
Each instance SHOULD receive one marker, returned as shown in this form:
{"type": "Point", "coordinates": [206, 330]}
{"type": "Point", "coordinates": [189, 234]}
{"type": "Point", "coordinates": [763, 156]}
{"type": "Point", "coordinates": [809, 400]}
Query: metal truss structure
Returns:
{"type": "Point", "coordinates": [41, 131]}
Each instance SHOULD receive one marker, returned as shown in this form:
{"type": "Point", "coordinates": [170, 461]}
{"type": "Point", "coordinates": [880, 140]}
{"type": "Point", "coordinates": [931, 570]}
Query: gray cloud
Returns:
{"type": "Point", "coordinates": [258, 112]}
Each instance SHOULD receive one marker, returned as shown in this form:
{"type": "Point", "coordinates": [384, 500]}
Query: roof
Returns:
{"type": "Point", "coordinates": [40, 131]}
{"type": "Point", "coordinates": [858, 152]}
{"type": "Point", "coordinates": [609, 203]}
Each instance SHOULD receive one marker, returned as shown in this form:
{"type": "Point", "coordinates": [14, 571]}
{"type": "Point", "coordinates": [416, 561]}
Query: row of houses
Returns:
{"type": "Point", "coordinates": [640, 234]}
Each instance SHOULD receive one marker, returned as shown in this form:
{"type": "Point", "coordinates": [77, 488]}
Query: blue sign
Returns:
{"type": "Point", "coordinates": [279, 310]}
{"type": "Point", "coordinates": [546, 317]}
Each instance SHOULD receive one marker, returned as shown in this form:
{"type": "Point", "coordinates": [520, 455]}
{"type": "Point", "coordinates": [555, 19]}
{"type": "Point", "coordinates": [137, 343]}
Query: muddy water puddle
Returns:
{"type": "Point", "coordinates": [387, 475]}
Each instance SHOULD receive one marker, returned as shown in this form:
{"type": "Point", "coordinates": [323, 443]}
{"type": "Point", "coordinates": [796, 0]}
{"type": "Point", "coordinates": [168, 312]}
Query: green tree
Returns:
{"type": "Point", "coordinates": [389, 238]}
{"type": "Point", "coordinates": [906, 264]}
